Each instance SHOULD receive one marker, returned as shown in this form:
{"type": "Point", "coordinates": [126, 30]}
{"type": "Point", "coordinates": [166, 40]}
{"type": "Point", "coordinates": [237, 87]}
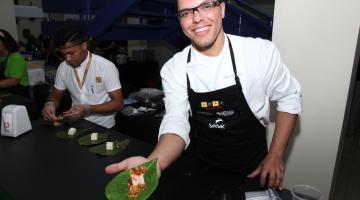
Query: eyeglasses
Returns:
{"type": "Point", "coordinates": [203, 8]}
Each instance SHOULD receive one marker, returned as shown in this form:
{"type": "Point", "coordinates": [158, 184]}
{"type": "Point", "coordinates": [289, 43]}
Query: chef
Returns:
{"type": "Point", "coordinates": [224, 84]}
{"type": "Point", "coordinates": [92, 81]}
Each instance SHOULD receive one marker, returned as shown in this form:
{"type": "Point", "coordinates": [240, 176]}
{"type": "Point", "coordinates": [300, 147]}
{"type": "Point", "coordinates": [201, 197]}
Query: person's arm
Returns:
{"type": "Point", "coordinates": [9, 82]}
{"type": "Point", "coordinates": [55, 96]}
{"type": "Point", "coordinates": [114, 105]}
{"type": "Point", "coordinates": [272, 167]}
{"type": "Point", "coordinates": [53, 101]}
{"type": "Point", "coordinates": [167, 150]}
{"type": "Point", "coordinates": [281, 87]}
{"type": "Point", "coordinates": [174, 128]}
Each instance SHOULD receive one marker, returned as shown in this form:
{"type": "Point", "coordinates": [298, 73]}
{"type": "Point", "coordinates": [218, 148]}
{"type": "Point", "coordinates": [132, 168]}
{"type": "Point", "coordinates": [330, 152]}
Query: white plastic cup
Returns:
{"type": "Point", "coordinates": [305, 192]}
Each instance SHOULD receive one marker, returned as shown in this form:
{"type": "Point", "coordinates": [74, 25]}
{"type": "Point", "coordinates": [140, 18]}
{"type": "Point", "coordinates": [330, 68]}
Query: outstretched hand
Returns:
{"type": "Point", "coordinates": [127, 164]}
{"type": "Point", "coordinates": [272, 167]}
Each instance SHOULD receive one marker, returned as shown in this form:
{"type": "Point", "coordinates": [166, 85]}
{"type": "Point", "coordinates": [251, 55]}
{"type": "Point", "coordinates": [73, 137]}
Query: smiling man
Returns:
{"type": "Point", "coordinates": [226, 83]}
{"type": "Point", "coordinates": [92, 81]}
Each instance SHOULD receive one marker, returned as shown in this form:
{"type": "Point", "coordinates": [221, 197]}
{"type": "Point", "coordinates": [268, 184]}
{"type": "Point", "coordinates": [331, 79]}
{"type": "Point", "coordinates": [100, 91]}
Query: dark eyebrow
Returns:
{"type": "Point", "coordinates": [194, 6]}
{"type": "Point", "coordinates": [70, 52]}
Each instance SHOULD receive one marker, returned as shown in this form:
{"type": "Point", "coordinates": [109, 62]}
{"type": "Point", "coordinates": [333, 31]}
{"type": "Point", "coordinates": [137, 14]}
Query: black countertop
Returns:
{"type": "Point", "coordinates": [38, 165]}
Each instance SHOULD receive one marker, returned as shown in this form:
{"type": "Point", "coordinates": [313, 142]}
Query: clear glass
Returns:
{"type": "Point", "coordinates": [305, 192]}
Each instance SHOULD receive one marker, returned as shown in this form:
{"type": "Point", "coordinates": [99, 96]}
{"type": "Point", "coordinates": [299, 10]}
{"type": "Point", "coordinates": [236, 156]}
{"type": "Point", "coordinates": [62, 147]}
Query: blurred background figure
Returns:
{"type": "Point", "coordinates": [52, 56]}
{"type": "Point", "coordinates": [43, 45]}
{"type": "Point", "coordinates": [31, 43]}
{"type": "Point", "coordinates": [13, 67]}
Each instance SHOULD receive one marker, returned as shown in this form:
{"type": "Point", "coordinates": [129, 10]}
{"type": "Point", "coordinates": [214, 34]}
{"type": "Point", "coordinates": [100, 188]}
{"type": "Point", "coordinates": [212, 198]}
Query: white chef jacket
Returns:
{"type": "Point", "coordinates": [263, 77]}
{"type": "Point", "coordinates": [102, 78]}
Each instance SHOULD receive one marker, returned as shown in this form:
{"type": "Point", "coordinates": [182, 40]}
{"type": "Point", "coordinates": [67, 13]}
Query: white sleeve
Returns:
{"type": "Point", "coordinates": [279, 85]}
{"type": "Point", "coordinates": [176, 101]}
{"type": "Point", "coordinates": [112, 80]}
{"type": "Point", "coordinates": [59, 78]}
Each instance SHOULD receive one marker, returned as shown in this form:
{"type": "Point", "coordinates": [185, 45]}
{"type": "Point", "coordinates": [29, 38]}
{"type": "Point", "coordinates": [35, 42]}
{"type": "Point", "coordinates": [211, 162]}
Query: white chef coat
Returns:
{"type": "Point", "coordinates": [102, 78]}
{"type": "Point", "coordinates": [262, 74]}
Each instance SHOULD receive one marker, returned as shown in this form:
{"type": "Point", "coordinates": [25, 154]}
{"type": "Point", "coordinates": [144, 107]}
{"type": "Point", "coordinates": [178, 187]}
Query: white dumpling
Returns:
{"type": "Point", "coordinates": [109, 145]}
{"type": "Point", "coordinates": [72, 131]}
{"type": "Point", "coordinates": [94, 136]}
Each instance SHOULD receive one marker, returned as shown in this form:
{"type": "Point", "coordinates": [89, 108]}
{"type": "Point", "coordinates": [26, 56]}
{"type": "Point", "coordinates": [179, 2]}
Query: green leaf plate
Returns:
{"type": "Point", "coordinates": [86, 139]}
{"type": "Point", "coordinates": [118, 188]}
{"type": "Point", "coordinates": [64, 134]}
{"type": "Point", "coordinates": [119, 146]}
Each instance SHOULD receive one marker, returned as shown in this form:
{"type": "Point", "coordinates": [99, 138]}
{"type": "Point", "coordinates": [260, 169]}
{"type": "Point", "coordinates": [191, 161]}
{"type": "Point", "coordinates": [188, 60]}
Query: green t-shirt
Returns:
{"type": "Point", "coordinates": [16, 67]}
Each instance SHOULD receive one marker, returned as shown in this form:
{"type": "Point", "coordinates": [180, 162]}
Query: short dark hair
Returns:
{"type": "Point", "coordinates": [73, 35]}
{"type": "Point", "coordinates": [9, 42]}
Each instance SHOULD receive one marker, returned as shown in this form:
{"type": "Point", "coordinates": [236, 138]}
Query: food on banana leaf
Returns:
{"type": "Point", "coordinates": [137, 183]}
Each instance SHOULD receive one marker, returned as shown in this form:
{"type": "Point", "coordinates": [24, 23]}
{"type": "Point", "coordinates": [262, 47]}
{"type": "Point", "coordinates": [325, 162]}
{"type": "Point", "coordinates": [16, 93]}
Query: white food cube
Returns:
{"type": "Point", "coordinates": [72, 131]}
{"type": "Point", "coordinates": [94, 136]}
{"type": "Point", "coordinates": [109, 145]}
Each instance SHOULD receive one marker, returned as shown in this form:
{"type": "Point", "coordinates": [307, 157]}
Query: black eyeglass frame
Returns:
{"type": "Point", "coordinates": [214, 4]}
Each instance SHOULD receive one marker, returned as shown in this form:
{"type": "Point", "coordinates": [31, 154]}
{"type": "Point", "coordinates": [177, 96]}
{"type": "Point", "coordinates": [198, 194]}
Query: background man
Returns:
{"type": "Point", "coordinates": [93, 82]}
{"type": "Point", "coordinates": [31, 43]}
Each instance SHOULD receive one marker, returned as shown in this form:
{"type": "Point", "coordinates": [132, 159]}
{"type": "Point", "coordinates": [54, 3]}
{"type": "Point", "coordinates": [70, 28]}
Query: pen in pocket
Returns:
{"type": "Point", "coordinates": [92, 89]}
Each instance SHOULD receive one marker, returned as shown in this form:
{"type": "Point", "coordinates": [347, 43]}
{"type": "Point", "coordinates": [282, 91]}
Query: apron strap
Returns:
{"type": "Point", "coordinates": [188, 60]}
{"type": "Point", "coordinates": [189, 55]}
{"type": "Point", "coordinates": [237, 80]}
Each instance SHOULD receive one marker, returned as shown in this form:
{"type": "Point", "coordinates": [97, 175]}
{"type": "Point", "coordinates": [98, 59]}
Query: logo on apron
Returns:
{"type": "Point", "coordinates": [211, 104]}
{"type": "Point", "coordinates": [225, 113]}
{"type": "Point", "coordinates": [219, 124]}
{"type": "Point", "coordinates": [215, 103]}
{"type": "Point", "coordinates": [204, 113]}
{"type": "Point", "coordinates": [204, 104]}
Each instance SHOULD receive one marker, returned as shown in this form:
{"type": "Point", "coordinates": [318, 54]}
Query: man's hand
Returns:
{"type": "Point", "coordinates": [272, 167]}
{"type": "Point", "coordinates": [77, 112]}
{"type": "Point", "coordinates": [127, 164]}
{"type": "Point", "coordinates": [48, 111]}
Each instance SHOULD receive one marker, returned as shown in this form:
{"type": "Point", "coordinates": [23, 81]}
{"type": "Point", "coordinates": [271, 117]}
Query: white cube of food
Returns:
{"type": "Point", "coordinates": [94, 136]}
{"type": "Point", "coordinates": [72, 131]}
{"type": "Point", "coordinates": [109, 145]}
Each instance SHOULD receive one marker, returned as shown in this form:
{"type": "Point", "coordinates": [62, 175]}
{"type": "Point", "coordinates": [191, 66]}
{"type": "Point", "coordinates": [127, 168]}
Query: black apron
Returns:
{"type": "Point", "coordinates": [18, 89]}
{"type": "Point", "coordinates": [226, 132]}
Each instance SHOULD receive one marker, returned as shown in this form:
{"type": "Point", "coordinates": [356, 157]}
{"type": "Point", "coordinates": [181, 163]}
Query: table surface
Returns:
{"type": "Point", "coordinates": [38, 165]}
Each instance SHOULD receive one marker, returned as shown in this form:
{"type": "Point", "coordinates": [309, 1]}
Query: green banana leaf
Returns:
{"type": "Point", "coordinates": [64, 134]}
{"type": "Point", "coordinates": [119, 146]}
{"type": "Point", "coordinates": [86, 139]}
{"type": "Point", "coordinates": [118, 188]}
